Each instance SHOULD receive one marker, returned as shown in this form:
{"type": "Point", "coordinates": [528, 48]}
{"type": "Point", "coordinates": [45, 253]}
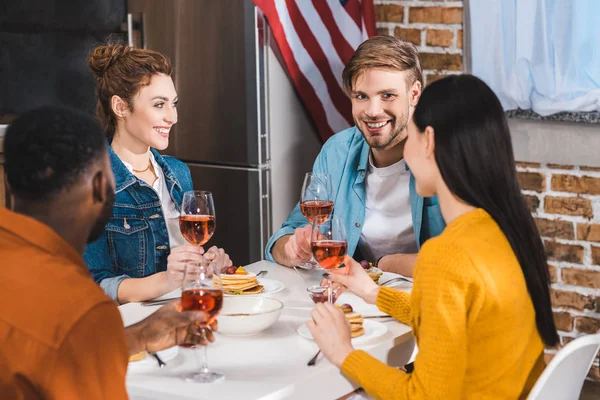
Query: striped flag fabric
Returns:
{"type": "Point", "coordinates": [316, 39]}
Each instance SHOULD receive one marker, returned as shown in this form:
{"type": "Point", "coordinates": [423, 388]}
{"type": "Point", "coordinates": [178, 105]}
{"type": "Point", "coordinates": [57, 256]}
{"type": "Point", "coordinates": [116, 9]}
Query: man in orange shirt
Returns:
{"type": "Point", "coordinates": [14, 387]}
{"type": "Point", "coordinates": [59, 332]}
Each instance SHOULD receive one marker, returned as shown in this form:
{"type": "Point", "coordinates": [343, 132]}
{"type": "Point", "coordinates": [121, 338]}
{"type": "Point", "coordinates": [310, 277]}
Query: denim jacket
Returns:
{"type": "Point", "coordinates": [345, 157]}
{"type": "Point", "coordinates": [135, 242]}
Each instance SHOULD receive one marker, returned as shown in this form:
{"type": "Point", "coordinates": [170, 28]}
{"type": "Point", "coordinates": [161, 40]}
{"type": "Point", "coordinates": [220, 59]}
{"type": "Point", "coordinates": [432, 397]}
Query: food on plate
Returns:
{"type": "Point", "coordinates": [317, 293]}
{"type": "Point", "coordinates": [240, 282]}
{"type": "Point", "coordinates": [355, 319]}
{"type": "Point", "coordinates": [235, 270]}
{"type": "Point", "coordinates": [356, 324]}
{"type": "Point", "coordinates": [374, 272]}
{"type": "Point", "coordinates": [346, 308]}
{"type": "Point", "coordinates": [138, 356]}
{"type": "Point", "coordinates": [230, 270]}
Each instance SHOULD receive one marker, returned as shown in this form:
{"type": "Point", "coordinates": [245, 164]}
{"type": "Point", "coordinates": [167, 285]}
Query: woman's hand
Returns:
{"type": "Point", "coordinates": [177, 260]}
{"type": "Point", "coordinates": [354, 277]}
{"type": "Point", "coordinates": [218, 258]}
{"type": "Point", "coordinates": [331, 331]}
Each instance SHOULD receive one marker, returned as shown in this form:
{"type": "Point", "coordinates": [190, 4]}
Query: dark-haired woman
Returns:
{"type": "Point", "coordinates": [142, 253]}
{"type": "Point", "coordinates": [480, 306]}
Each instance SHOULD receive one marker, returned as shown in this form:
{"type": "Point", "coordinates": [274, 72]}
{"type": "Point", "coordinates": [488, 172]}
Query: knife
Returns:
{"type": "Point", "coordinates": [158, 302]}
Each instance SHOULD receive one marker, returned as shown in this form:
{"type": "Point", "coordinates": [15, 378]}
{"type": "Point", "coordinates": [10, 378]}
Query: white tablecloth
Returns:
{"type": "Point", "coordinates": [272, 364]}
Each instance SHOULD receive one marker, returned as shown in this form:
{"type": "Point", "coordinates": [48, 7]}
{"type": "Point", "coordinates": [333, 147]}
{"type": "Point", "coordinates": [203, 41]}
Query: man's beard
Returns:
{"type": "Point", "coordinates": [104, 215]}
{"type": "Point", "coordinates": [375, 142]}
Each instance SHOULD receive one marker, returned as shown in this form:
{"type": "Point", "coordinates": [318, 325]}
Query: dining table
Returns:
{"type": "Point", "coordinates": [273, 363]}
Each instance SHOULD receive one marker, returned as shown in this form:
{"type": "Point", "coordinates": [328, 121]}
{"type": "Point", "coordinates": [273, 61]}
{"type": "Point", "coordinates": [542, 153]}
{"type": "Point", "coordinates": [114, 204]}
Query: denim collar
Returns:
{"type": "Point", "coordinates": [169, 174]}
{"type": "Point", "coordinates": [124, 178]}
{"type": "Point", "coordinates": [363, 159]}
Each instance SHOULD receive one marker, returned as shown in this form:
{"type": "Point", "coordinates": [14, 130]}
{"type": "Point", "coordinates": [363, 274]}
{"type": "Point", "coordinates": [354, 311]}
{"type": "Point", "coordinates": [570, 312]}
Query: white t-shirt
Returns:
{"type": "Point", "coordinates": [388, 226]}
{"type": "Point", "coordinates": [167, 204]}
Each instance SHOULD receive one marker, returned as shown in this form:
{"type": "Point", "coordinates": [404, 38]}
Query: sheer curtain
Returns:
{"type": "Point", "coordinates": [542, 55]}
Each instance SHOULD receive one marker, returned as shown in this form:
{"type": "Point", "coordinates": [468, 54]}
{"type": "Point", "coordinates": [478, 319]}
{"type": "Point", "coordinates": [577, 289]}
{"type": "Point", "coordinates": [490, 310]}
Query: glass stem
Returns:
{"type": "Point", "coordinates": [330, 292]}
{"type": "Point", "coordinates": [204, 368]}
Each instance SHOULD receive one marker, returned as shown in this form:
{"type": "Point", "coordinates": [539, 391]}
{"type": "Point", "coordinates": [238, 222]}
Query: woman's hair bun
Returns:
{"type": "Point", "coordinates": [103, 57]}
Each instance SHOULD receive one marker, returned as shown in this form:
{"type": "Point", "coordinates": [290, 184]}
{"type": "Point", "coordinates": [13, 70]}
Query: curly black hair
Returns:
{"type": "Point", "coordinates": [47, 149]}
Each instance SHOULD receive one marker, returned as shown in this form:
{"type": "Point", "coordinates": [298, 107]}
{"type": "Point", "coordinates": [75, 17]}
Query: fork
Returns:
{"type": "Point", "coordinates": [262, 273]}
{"type": "Point", "coordinates": [160, 362]}
{"type": "Point", "coordinates": [313, 360]}
{"type": "Point", "coordinates": [398, 278]}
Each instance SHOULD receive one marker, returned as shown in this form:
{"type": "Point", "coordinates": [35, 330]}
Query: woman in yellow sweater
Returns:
{"type": "Point", "coordinates": [480, 306]}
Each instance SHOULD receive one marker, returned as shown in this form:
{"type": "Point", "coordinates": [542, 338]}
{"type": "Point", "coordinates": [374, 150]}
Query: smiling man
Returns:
{"type": "Point", "coordinates": [374, 192]}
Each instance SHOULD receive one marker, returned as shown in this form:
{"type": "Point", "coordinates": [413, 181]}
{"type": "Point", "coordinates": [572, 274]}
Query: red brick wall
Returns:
{"type": "Point", "coordinates": [565, 202]}
{"type": "Point", "coordinates": [435, 27]}
{"type": "Point", "coordinates": [564, 199]}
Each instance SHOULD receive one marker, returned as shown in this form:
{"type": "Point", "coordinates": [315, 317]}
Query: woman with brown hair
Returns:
{"type": "Point", "coordinates": [141, 254]}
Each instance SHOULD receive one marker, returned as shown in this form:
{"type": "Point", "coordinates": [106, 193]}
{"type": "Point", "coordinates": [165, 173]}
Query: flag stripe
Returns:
{"type": "Point", "coordinates": [310, 27]}
{"type": "Point", "coordinates": [352, 7]}
{"type": "Point", "coordinates": [303, 86]}
{"type": "Point", "coordinates": [345, 23]}
{"type": "Point", "coordinates": [309, 69]}
{"type": "Point", "coordinates": [368, 18]}
{"type": "Point", "coordinates": [343, 48]}
{"type": "Point", "coordinates": [317, 39]}
{"type": "Point", "coordinates": [365, 35]}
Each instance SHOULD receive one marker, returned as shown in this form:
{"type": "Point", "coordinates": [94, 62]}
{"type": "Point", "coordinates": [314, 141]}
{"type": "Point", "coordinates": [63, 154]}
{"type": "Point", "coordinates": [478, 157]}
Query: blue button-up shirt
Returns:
{"type": "Point", "coordinates": [345, 157]}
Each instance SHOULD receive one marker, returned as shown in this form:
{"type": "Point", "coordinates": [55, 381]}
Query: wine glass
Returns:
{"type": "Point", "coordinates": [316, 200]}
{"type": "Point", "coordinates": [197, 220]}
{"type": "Point", "coordinates": [329, 246]}
{"type": "Point", "coordinates": [202, 291]}
{"type": "Point", "coordinates": [317, 293]}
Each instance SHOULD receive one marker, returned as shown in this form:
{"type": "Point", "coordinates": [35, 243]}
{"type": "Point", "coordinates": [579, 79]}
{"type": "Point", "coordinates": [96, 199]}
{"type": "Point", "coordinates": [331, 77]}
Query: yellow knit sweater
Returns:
{"type": "Point", "coordinates": [471, 315]}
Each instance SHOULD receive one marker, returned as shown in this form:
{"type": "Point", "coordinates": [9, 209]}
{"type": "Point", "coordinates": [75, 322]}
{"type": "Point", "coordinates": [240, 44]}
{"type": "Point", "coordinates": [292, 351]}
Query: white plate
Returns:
{"type": "Point", "coordinates": [149, 363]}
{"type": "Point", "coordinates": [373, 330]}
{"type": "Point", "coordinates": [271, 286]}
{"type": "Point", "coordinates": [398, 284]}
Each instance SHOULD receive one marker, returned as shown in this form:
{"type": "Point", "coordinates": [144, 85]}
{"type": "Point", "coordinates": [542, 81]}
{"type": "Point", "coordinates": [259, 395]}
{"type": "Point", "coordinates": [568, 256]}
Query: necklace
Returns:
{"type": "Point", "coordinates": [143, 170]}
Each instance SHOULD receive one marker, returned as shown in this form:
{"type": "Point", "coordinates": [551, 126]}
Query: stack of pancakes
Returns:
{"type": "Point", "coordinates": [374, 273]}
{"type": "Point", "coordinates": [240, 284]}
{"type": "Point", "coordinates": [356, 321]}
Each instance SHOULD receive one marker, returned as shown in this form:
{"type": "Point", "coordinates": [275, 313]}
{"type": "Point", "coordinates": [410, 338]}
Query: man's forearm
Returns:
{"type": "Point", "coordinates": [135, 341]}
{"type": "Point", "coordinates": [402, 264]}
{"type": "Point", "coordinates": [278, 251]}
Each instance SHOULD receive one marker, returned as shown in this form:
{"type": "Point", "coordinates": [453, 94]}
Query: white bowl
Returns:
{"type": "Point", "coordinates": [247, 316]}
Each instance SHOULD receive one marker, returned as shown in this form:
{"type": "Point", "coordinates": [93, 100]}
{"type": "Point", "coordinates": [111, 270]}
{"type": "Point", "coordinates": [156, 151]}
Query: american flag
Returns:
{"type": "Point", "coordinates": [316, 39]}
